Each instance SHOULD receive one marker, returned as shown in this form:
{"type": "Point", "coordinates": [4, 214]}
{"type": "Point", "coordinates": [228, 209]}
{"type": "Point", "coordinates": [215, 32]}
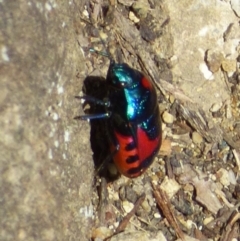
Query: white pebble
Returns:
{"type": "Point", "coordinates": [127, 206]}
{"type": "Point", "coordinates": [206, 72]}
{"type": "Point", "coordinates": [133, 17]}
{"type": "Point", "coordinates": [216, 107]}
{"type": "Point", "coordinates": [157, 215]}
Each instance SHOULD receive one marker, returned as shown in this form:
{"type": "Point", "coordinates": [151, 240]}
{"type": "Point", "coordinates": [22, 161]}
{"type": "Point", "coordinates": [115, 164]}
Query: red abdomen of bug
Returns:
{"type": "Point", "coordinates": [134, 157]}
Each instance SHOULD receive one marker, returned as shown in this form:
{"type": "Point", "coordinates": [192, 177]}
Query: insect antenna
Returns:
{"type": "Point", "coordinates": [105, 53]}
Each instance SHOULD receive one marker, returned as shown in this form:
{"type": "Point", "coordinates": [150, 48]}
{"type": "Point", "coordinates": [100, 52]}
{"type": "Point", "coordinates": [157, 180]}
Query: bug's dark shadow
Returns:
{"type": "Point", "coordinates": [96, 87]}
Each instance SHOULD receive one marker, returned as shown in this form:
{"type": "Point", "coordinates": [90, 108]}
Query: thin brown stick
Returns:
{"type": "Point", "coordinates": [165, 205]}
{"type": "Point", "coordinates": [126, 219]}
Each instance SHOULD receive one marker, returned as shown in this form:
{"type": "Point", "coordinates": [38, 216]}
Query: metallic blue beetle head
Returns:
{"type": "Point", "coordinates": [122, 76]}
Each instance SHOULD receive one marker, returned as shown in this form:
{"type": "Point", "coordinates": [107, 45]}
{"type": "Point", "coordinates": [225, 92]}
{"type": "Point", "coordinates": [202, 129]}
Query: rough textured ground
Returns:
{"type": "Point", "coordinates": [46, 168]}
{"type": "Point", "coordinates": [48, 188]}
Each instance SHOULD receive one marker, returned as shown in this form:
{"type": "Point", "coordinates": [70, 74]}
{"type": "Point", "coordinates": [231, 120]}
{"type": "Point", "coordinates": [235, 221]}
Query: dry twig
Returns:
{"type": "Point", "coordinates": [164, 204]}
{"type": "Point", "coordinates": [126, 219]}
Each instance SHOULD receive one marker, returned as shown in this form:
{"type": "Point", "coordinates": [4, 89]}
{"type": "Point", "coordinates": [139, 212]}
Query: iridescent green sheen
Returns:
{"type": "Point", "coordinates": [128, 96]}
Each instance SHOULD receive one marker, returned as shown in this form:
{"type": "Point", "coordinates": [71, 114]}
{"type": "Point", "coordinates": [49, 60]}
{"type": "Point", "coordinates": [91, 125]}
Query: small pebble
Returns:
{"type": "Point", "coordinates": [85, 13]}
{"type": "Point", "coordinates": [167, 117]}
{"type": "Point", "coordinates": [155, 178]}
{"type": "Point", "coordinates": [173, 60]}
{"type": "Point", "coordinates": [145, 205]}
{"type": "Point", "coordinates": [115, 196]}
{"type": "Point", "coordinates": [197, 138]}
{"type": "Point", "coordinates": [103, 35]}
{"type": "Point", "coordinates": [170, 186]}
{"type": "Point", "coordinates": [171, 99]}
{"type": "Point", "coordinates": [157, 215]}
{"type": "Point", "coordinates": [213, 177]}
{"type": "Point", "coordinates": [206, 72]}
{"type": "Point", "coordinates": [229, 65]}
{"type": "Point", "coordinates": [127, 206]}
{"type": "Point", "coordinates": [216, 107]}
{"type": "Point", "coordinates": [133, 17]}
{"type": "Point", "coordinates": [214, 60]}
{"type": "Point", "coordinates": [189, 224]}
{"type": "Point", "coordinates": [223, 176]}
{"type": "Point", "coordinates": [188, 188]}
{"type": "Point", "coordinates": [116, 224]}
{"type": "Point", "coordinates": [208, 220]}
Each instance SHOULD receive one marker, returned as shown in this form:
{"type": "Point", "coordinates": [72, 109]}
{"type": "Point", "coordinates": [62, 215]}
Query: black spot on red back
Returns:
{"type": "Point", "coordinates": [130, 146]}
{"type": "Point", "coordinates": [132, 159]}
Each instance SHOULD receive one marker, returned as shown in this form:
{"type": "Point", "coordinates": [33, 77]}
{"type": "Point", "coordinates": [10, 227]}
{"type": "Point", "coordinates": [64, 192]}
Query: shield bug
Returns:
{"type": "Point", "coordinates": [132, 117]}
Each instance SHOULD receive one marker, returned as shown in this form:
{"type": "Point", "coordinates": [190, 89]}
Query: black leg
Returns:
{"type": "Point", "coordinates": [93, 116]}
{"type": "Point", "coordinates": [96, 101]}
